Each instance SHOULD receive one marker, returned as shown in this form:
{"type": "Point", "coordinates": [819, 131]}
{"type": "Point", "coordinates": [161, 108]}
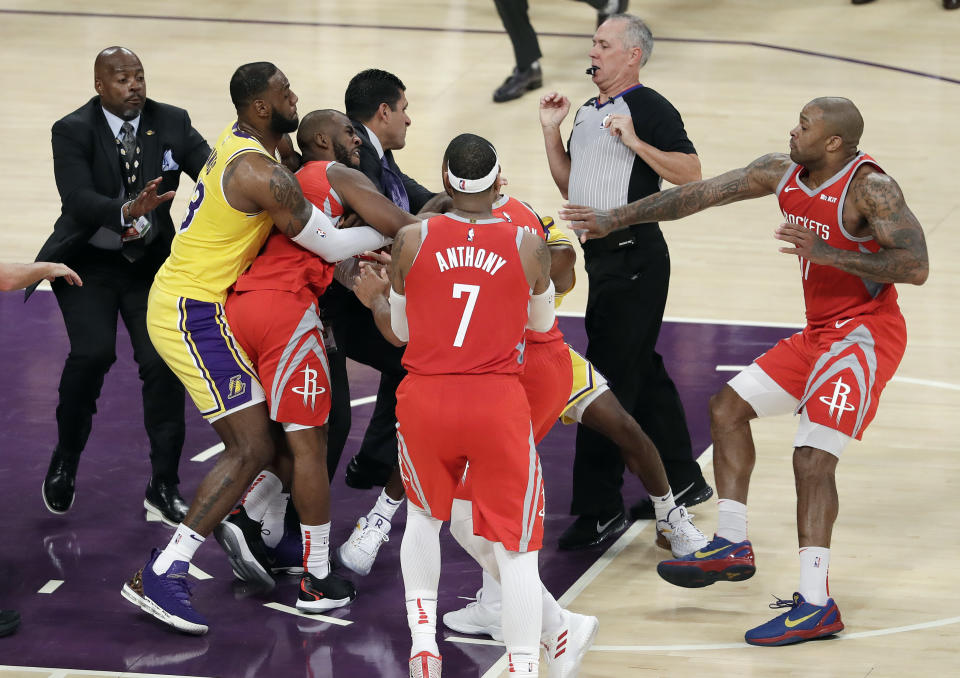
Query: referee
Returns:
{"type": "Point", "coordinates": [624, 142]}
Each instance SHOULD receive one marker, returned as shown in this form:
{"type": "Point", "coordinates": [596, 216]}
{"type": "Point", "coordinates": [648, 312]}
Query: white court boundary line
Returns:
{"type": "Point", "coordinates": [63, 673]}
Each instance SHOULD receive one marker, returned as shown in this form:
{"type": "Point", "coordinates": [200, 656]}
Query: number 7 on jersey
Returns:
{"type": "Point", "coordinates": [472, 292]}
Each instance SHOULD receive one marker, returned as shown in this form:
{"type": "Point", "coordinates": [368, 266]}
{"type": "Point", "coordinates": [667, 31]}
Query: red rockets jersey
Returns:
{"type": "Point", "coordinates": [828, 292]}
{"type": "Point", "coordinates": [284, 265]}
{"type": "Point", "coordinates": [521, 214]}
{"type": "Point", "coordinates": [467, 298]}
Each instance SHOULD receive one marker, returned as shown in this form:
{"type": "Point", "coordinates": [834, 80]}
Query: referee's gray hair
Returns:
{"type": "Point", "coordinates": [636, 33]}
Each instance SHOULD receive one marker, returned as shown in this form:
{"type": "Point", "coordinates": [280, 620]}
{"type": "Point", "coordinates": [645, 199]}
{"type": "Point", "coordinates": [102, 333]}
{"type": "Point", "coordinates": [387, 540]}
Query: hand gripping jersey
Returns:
{"type": "Point", "coordinates": [830, 293]}
{"type": "Point", "coordinates": [522, 215]}
{"type": "Point", "coordinates": [215, 242]}
{"type": "Point", "coordinates": [467, 298]}
{"type": "Point", "coordinates": [282, 264]}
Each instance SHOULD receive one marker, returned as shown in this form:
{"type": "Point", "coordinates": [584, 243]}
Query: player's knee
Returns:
{"type": "Point", "coordinates": [728, 409]}
{"type": "Point", "coordinates": [813, 465]}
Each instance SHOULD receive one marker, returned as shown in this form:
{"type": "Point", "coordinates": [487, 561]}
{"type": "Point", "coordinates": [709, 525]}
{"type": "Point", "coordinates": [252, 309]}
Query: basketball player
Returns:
{"type": "Point", "coordinates": [462, 283]}
{"type": "Point", "coordinates": [855, 237]}
{"type": "Point", "coordinates": [273, 312]}
{"type": "Point", "coordinates": [242, 193]}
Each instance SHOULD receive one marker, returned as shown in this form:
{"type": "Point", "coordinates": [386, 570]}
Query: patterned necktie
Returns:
{"type": "Point", "coordinates": [392, 182]}
{"type": "Point", "coordinates": [130, 170]}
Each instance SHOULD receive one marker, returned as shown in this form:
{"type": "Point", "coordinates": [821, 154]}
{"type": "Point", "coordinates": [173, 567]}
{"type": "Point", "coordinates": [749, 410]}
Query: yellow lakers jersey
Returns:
{"type": "Point", "coordinates": [215, 242]}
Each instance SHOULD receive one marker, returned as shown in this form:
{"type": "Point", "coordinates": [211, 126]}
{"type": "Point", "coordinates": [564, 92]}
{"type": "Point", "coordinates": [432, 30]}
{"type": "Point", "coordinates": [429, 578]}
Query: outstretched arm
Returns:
{"type": "Point", "coordinates": [363, 197]}
{"type": "Point", "coordinates": [878, 198]}
{"type": "Point", "coordinates": [18, 276]}
{"type": "Point", "coordinates": [756, 179]}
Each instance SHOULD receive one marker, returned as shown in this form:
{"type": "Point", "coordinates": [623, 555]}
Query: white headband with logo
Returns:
{"type": "Point", "coordinates": [474, 185]}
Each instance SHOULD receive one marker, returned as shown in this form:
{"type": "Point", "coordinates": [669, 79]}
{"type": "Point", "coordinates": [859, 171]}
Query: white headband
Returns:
{"type": "Point", "coordinates": [474, 185]}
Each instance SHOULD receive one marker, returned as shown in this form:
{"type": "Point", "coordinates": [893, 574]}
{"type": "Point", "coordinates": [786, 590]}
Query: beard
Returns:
{"type": "Point", "coordinates": [282, 125]}
{"type": "Point", "coordinates": [344, 154]}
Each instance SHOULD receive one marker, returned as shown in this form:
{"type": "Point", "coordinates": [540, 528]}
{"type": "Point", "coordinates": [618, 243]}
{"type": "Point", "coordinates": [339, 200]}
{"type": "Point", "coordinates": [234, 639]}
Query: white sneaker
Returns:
{"type": "Point", "coordinates": [477, 618]}
{"type": "Point", "coordinates": [678, 533]}
{"type": "Point", "coordinates": [425, 665]}
{"type": "Point", "coordinates": [361, 548]}
{"type": "Point", "coordinates": [566, 648]}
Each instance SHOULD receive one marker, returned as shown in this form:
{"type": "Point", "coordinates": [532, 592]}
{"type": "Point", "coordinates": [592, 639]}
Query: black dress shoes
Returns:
{"type": "Point", "coordinates": [163, 499]}
{"type": "Point", "coordinates": [518, 83]}
{"type": "Point", "coordinates": [951, 4]}
{"type": "Point", "coordinates": [611, 7]}
{"type": "Point", "coordinates": [59, 485]}
{"type": "Point", "coordinates": [9, 622]}
{"type": "Point", "coordinates": [363, 473]}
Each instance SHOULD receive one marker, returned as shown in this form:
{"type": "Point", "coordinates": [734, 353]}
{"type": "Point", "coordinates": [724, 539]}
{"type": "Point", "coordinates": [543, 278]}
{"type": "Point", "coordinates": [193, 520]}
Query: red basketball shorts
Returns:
{"type": "Point", "coordinates": [446, 421]}
{"type": "Point", "coordinates": [282, 335]}
{"type": "Point", "coordinates": [547, 379]}
{"type": "Point", "coordinates": [838, 371]}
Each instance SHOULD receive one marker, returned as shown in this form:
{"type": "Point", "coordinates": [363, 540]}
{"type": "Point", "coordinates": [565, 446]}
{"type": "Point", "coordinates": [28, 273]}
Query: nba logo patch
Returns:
{"type": "Point", "coordinates": [237, 386]}
{"type": "Point", "coordinates": [463, 184]}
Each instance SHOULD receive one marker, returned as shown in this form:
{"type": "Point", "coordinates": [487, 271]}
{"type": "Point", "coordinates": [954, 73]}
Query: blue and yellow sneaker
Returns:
{"type": "Point", "coordinates": [719, 560]}
{"type": "Point", "coordinates": [803, 621]}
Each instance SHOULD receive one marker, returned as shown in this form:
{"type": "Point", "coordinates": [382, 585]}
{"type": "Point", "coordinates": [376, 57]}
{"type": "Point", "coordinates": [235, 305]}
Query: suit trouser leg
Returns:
{"type": "Point", "coordinates": [628, 292]}
{"type": "Point", "coordinates": [163, 394]}
{"type": "Point", "coordinates": [90, 317]}
{"type": "Point", "coordinates": [516, 20]}
{"type": "Point", "coordinates": [340, 413]}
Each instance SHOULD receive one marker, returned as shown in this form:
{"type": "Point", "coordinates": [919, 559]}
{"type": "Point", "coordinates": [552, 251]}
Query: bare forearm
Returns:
{"type": "Point", "coordinates": [677, 168]}
{"type": "Point", "coordinates": [380, 308]}
{"type": "Point", "coordinates": [683, 201]}
{"type": "Point", "coordinates": [885, 266]}
{"type": "Point", "coordinates": [18, 276]}
{"type": "Point", "coordinates": [557, 158]}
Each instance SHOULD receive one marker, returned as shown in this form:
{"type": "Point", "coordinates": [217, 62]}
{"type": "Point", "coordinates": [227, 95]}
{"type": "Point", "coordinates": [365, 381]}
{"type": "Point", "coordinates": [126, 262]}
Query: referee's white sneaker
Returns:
{"type": "Point", "coordinates": [477, 618]}
{"type": "Point", "coordinates": [678, 533]}
{"type": "Point", "coordinates": [565, 649]}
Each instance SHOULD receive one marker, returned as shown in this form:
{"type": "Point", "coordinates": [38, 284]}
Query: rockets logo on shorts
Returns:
{"type": "Point", "coordinates": [837, 402]}
{"type": "Point", "coordinates": [310, 389]}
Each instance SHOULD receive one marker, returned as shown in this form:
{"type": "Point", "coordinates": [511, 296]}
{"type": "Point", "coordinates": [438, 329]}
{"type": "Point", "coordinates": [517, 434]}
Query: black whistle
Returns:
{"type": "Point", "coordinates": [592, 70]}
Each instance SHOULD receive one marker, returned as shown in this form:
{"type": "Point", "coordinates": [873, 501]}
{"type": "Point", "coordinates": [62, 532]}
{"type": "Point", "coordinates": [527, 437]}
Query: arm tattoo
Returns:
{"type": "Point", "coordinates": [544, 259]}
{"type": "Point", "coordinates": [288, 196]}
{"type": "Point", "coordinates": [759, 178]}
{"type": "Point", "coordinates": [903, 254]}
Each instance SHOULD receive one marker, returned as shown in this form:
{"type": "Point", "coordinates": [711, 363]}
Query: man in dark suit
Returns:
{"type": "Point", "coordinates": [117, 161]}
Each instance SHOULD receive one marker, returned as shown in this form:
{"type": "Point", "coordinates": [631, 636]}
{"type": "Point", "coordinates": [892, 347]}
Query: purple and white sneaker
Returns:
{"type": "Point", "coordinates": [166, 596]}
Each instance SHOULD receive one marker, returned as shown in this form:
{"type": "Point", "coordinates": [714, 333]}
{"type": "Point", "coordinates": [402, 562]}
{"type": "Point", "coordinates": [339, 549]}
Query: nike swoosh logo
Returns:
{"type": "Point", "coordinates": [602, 527]}
{"type": "Point", "coordinates": [841, 324]}
{"type": "Point", "coordinates": [791, 188]}
{"type": "Point", "coordinates": [790, 623]}
{"type": "Point", "coordinates": [707, 554]}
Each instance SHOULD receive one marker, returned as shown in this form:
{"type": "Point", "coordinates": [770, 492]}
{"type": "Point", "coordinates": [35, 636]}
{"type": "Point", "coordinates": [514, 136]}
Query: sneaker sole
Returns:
{"type": "Point", "coordinates": [692, 577]}
{"type": "Point", "coordinates": [50, 508]}
{"type": "Point", "coordinates": [318, 606]}
{"type": "Point", "coordinates": [158, 612]}
{"type": "Point", "coordinates": [473, 630]}
{"type": "Point", "coordinates": [353, 567]}
{"type": "Point", "coordinates": [154, 511]}
{"type": "Point", "coordinates": [792, 637]}
{"type": "Point", "coordinates": [244, 565]}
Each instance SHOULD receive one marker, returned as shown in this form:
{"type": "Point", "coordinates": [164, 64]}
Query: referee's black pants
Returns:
{"type": "Point", "coordinates": [625, 304]}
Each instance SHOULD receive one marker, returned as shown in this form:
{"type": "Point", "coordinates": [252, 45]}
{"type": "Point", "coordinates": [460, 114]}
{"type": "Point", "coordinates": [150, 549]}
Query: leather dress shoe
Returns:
{"type": "Point", "coordinates": [363, 473]}
{"type": "Point", "coordinates": [518, 83]}
{"type": "Point", "coordinates": [9, 622]}
{"type": "Point", "coordinates": [612, 7]}
{"type": "Point", "coordinates": [951, 4]}
{"type": "Point", "coordinates": [860, 2]}
{"type": "Point", "coordinates": [163, 499]}
{"type": "Point", "coordinates": [60, 483]}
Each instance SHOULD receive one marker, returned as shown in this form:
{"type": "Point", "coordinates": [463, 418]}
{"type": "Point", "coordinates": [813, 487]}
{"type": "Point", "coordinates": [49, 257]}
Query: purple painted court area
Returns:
{"type": "Point", "coordinates": [103, 540]}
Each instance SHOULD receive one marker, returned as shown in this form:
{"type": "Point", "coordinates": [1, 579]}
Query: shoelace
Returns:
{"type": "Point", "coordinates": [371, 536]}
{"type": "Point", "coordinates": [780, 603]}
{"type": "Point", "coordinates": [178, 586]}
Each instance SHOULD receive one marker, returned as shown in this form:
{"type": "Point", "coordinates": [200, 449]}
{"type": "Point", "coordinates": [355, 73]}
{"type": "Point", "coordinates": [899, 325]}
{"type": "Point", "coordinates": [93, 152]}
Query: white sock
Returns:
{"type": "Point", "coordinates": [385, 507]}
{"type": "Point", "coordinates": [492, 594]}
{"type": "Point", "coordinates": [272, 530]}
{"type": "Point", "coordinates": [814, 568]}
{"type": "Point", "coordinates": [420, 565]}
{"type": "Point", "coordinates": [663, 505]}
{"type": "Point", "coordinates": [521, 608]}
{"type": "Point", "coordinates": [261, 492]}
{"type": "Point", "coordinates": [182, 546]}
{"type": "Point", "coordinates": [731, 520]}
{"type": "Point", "coordinates": [552, 615]}
{"type": "Point", "coordinates": [316, 549]}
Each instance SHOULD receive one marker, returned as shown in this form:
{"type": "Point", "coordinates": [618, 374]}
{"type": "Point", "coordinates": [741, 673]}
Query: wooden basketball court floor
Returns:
{"type": "Point", "coordinates": [739, 72]}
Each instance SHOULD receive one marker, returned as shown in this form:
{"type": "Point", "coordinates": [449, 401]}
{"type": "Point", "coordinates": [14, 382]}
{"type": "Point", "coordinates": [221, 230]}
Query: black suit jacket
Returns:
{"type": "Point", "coordinates": [370, 165]}
{"type": "Point", "coordinates": [87, 171]}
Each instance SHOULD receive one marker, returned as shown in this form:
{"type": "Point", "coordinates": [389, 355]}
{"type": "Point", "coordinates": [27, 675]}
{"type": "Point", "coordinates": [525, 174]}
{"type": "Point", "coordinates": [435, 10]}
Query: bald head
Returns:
{"type": "Point", "coordinates": [328, 134]}
{"type": "Point", "coordinates": [840, 118]}
{"type": "Point", "coordinates": [118, 79]}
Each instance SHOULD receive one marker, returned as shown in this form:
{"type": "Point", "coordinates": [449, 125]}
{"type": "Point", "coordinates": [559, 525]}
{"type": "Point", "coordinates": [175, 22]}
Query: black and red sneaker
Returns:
{"type": "Point", "coordinates": [317, 595]}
